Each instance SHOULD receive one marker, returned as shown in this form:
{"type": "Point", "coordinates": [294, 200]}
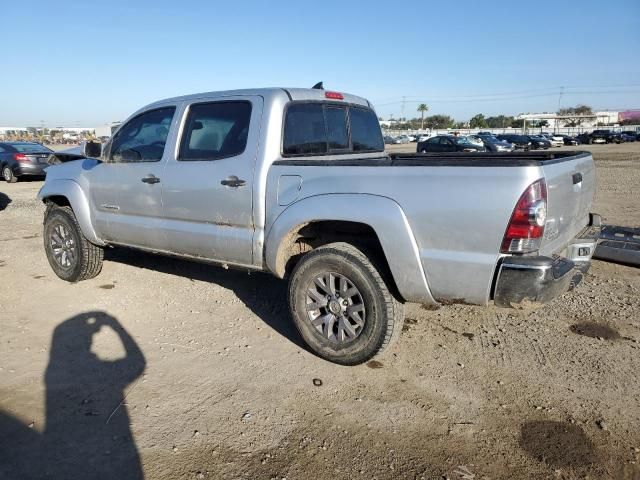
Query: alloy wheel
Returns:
{"type": "Point", "coordinates": [63, 246]}
{"type": "Point", "coordinates": [335, 307]}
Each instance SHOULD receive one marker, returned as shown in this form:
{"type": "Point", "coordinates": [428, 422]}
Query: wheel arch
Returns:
{"type": "Point", "coordinates": [376, 222]}
{"type": "Point", "coordinates": [69, 193]}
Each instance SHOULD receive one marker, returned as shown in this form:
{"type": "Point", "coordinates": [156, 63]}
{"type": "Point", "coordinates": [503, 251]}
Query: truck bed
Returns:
{"type": "Point", "coordinates": [458, 159]}
{"type": "Point", "coordinates": [457, 216]}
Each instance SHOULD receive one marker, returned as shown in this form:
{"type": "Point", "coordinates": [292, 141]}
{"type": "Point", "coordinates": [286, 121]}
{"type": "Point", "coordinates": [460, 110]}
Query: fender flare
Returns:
{"type": "Point", "coordinates": [78, 201]}
{"type": "Point", "coordinates": [382, 214]}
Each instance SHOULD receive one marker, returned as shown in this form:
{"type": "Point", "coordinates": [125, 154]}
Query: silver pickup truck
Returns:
{"type": "Point", "coordinates": [296, 182]}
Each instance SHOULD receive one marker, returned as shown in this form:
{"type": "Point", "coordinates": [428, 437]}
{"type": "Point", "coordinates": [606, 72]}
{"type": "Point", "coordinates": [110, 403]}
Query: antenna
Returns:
{"type": "Point", "coordinates": [318, 86]}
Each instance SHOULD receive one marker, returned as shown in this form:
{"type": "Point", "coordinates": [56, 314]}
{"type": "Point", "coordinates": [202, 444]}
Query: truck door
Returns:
{"type": "Point", "coordinates": [136, 160]}
{"type": "Point", "coordinates": [208, 180]}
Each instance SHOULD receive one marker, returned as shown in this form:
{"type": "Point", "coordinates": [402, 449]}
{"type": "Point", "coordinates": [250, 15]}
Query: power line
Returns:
{"type": "Point", "coordinates": [531, 93]}
{"type": "Point", "coordinates": [501, 98]}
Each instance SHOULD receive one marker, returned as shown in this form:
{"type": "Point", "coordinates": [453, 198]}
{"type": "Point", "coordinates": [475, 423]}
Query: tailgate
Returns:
{"type": "Point", "coordinates": [571, 185]}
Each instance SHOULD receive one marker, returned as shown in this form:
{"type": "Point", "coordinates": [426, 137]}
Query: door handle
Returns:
{"type": "Point", "coordinates": [150, 179]}
{"type": "Point", "coordinates": [577, 178]}
{"type": "Point", "coordinates": [233, 181]}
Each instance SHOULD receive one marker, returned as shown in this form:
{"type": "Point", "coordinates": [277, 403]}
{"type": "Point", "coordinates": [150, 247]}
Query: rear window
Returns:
{"type": "Point", "coordinates": [28, 148]}
{"type": "Point", "coordinates": [324, 128]}
{"type": "Point", "coordinates": [365, 131]}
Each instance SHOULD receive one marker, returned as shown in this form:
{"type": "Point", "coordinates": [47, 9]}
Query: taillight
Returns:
{"type": "Point", "coordinates": [20, 157]}
{"type": "Point", "coordinates": [334, 95]}
{"type": "Point", "coordinates": [526, 227]}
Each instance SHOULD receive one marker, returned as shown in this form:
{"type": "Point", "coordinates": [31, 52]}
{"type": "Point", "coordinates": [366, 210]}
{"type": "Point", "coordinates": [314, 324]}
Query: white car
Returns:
{"type": "Point", "coordinates": [476, 140]}
{"type": "Point", "coordinates": [556, 140]}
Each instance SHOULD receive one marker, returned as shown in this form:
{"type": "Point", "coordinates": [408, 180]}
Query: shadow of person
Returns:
{"type": "Point", "coordinates": [87, 432]}
{"type": "Point", "coordinates": [5, 200]}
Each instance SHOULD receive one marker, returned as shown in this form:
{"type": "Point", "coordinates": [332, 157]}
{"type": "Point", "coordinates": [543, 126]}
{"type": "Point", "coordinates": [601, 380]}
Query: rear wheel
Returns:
{"type": "Point", "coordinates": [341, 305]}
{"type": "Point", "coordinates": [71, 256]}
{"type": "Point", "coordinates": [8, 175]}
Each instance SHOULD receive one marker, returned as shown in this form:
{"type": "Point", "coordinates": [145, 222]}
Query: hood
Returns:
{"type": "Point", "coordinates": [71, 168]}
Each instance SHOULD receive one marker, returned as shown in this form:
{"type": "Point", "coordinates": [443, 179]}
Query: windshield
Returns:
{"type": "Point", "coordinates": [30, 148]}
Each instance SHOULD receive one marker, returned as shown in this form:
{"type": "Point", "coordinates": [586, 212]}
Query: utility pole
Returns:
{"type": "Point", "coordinates": [404, 101]}
{"type": "Point", "coordinates": [560, 97]}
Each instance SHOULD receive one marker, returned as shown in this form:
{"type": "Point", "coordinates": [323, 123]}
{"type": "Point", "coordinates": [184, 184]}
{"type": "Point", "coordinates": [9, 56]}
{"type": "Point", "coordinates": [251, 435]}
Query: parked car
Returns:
{"type": "Point", "coordinates": [493, 144]}
{"type": "Point", "coordinates": [424, 137]}
{"type": "Point", "coordinates": [475, 139]}
{"type": "Point", "coordinates": [389, 140]}
{"type": "Point", "coordinates": [403, 139]}
{"type": "Point", "coordinates": [628, 136]}
{"type": "Point", "coordinates": [568, 139]}
{"type": "Point", "coordinates": [253, 179]}
{"type": "Point", "coordinates": [555, 139]}
{"type": "Point", "coordinates": [22, 159]}
{"type": "Point", "coordinates": [538, 142]}
{"type": "Point", "coordinates": [448, 143]}
{"type": "Point", "coordinates": [520, 142]}
{"type": "Point", "coordinates": [605, 136]}
{"type": "Point", "coordinates": [585, 138]}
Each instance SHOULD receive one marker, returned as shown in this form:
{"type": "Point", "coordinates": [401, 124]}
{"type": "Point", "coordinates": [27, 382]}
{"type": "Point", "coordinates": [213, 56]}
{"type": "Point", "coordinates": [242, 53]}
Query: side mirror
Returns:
{"type": "Point", "coordinates": [92, 149]}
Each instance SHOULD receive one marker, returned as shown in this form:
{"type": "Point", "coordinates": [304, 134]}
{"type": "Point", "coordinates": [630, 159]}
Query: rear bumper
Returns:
{"type": "Point", "coordinates": [29, 169]}
{"type": "Point", "coordinates": [540, 279]}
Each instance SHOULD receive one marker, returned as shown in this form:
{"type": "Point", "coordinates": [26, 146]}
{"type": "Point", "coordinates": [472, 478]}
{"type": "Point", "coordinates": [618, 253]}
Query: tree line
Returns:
{"type": "Point", "coordinates": [574, 118]}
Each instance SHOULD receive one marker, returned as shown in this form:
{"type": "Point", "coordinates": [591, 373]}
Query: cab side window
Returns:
{"type": "Point", "coordinates": [215, 130]}
{"type": "Point", "coordinates": [143, 138]}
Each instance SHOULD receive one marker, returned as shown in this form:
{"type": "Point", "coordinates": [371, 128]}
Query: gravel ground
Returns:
{"type": "Point", "coordinates": [169, 369]}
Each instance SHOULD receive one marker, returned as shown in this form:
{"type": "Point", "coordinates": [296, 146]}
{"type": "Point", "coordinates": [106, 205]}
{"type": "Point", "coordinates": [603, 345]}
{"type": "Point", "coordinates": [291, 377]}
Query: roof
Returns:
{"type": "Point", "coordinates": [267, 93]}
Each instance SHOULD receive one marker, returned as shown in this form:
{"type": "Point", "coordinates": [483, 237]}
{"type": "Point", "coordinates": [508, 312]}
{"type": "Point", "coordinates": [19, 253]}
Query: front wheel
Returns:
{"type": "Point", "coordinates": [8, 175]}
{"type": "Point", "coordinates": [341, 305]}
{"type": "Point", "coordinates": [71, 256]}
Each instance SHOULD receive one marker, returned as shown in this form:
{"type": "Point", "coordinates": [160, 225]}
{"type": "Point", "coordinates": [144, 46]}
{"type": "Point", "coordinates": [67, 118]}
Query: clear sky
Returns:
{"type": "Point", "coordinates": [83, 63]}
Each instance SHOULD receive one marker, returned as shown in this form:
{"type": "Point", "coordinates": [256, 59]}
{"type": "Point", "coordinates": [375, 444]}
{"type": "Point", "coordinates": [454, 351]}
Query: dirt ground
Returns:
{"type": "Point", "coordinates": [173, 370]}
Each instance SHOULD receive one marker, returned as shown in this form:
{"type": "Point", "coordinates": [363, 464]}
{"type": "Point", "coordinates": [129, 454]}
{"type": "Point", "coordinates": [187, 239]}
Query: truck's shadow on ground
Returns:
{"type": "Point", "coordinates": [264, 294]}
{"type": "Point", "coordinates": [86, 434]}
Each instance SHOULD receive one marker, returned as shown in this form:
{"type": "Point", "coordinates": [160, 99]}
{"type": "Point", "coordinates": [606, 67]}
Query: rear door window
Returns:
{"type": "Point", "coordinates": [215, 130]}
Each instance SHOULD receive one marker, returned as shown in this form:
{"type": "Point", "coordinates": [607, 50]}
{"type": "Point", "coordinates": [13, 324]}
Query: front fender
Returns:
{"type": "Point", "coordinates": [380, 213]}
{"type": "Point", "coordinates": [78, 201]}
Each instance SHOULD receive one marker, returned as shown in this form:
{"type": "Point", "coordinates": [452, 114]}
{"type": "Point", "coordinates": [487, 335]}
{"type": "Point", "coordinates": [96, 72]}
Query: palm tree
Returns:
{"type": "Point", "coordinates": [422, 108]}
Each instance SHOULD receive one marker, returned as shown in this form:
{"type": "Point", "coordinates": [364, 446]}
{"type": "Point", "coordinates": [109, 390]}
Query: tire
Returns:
{"type": "Point", "coordinates": [79, 258]}
{"type": "Point", "coordinates": [8, 175]}
{"type": "Point", "coordinates": [379, 321]}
